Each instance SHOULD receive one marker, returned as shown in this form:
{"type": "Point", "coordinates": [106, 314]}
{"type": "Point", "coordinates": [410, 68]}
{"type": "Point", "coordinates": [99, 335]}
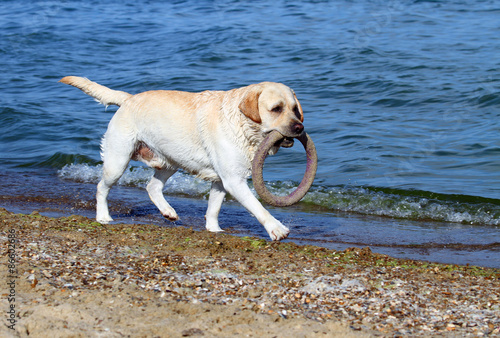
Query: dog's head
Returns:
{"type": "Point", "coordinates": [276, 107]}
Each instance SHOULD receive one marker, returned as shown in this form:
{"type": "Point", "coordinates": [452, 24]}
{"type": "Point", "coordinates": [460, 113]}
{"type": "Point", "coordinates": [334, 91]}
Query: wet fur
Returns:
{"type": "Point", "coordinates": [213, 135]}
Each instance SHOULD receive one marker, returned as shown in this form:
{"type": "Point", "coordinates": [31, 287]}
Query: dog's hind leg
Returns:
{"type": "Point", "coordinates": [155, 191]}
{"type": "Point", "coordinates": [217, 193]}
{"type": "Point", "coordinates": [113, 169]}
{"type": "Point", "coordinates": [117, 149]}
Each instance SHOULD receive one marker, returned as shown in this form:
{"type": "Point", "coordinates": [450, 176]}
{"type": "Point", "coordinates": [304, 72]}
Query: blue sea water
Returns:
{"type": "Point", "coordinates": [402, 99]}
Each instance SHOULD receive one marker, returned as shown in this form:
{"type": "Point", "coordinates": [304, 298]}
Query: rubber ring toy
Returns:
{"type": "Point", "coordinates": [258, 166]}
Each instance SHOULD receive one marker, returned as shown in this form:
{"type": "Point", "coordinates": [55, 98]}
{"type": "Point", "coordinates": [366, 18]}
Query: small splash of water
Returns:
{"type": "Point", "coordinates": [179, 184]}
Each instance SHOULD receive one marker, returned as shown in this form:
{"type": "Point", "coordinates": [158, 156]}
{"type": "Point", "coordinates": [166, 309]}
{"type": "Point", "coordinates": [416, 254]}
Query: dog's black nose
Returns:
{"type": "Point", "coordinates": [298, 128]}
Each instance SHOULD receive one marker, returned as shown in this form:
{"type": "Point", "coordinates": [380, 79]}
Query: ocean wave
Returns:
{"type": "Point", "coordinates": [57, 160]}
{"type": "Point", "coordinates": [408, 204]}
{"type": "Point", "coordinates": [179, 184]}
{"type": "Point", "coordinates": [387, 202]}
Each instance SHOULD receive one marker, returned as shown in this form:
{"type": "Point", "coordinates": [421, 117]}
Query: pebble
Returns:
{"type": "Point", "coordinates": [413, 302]}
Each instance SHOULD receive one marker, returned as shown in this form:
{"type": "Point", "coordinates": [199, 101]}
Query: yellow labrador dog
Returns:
{"type": "Point", "coordinates": [213, 135]}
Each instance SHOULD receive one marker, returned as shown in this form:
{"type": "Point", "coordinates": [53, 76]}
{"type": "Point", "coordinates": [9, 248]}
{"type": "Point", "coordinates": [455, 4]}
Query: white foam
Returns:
{"type": "Point", "coordinates": [179, 183]}
{"type": "Point", "coordinates": [363, 201]}
{"type": "Point", "coordinates": [81, 173]}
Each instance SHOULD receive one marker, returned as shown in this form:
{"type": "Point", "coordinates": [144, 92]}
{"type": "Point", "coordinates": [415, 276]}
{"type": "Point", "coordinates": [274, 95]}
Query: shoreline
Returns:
{"type": "Point", "coordinates": [130, 205]}
{"type": "Point", "coordinates": [182, 282]}
{"type": "Point", "coordinates": [434, 242]}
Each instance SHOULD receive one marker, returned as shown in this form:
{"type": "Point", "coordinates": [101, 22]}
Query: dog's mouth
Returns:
{"type": "Point", "coordinates": [287, 142]}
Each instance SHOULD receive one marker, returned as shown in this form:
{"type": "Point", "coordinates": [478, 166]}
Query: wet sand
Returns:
{"type": "Point", "coordinates": [76, 277]}
{"type": "Point", "coordinates": [463, 244]}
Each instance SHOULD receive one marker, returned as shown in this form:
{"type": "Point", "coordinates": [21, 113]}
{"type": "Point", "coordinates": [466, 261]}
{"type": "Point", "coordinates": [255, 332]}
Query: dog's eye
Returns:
{"type": "Point", "coordinates": [277, 109]}
{"type": "Point", "coordinates": [296, 111]}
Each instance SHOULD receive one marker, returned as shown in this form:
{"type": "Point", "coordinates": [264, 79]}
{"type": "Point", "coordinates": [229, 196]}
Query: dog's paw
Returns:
{"type": "Point", "coordinates": [212, 225]}
{"type": "Point", "coordinates": [170, 214]}
{"type": "Point", "coordinates": [278, 231]}
{"type": "Point", "coordinates": [171, 218]}
{"type": "Point", "coordinates": [213, 228]}
{"type": "Point", "coordinates": [104, 219]}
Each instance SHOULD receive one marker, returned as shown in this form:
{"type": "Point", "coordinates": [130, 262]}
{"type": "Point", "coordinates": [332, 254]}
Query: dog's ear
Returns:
{"type": "Point", "coordinates": [301, 112]}
{"type": "Point", "coordinates": [249, 106]}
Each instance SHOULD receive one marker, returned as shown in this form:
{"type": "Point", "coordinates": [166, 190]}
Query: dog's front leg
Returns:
{"type": "Point", "coordinates": [239, 189]}
{"type": "Point", "coordinates": [102, 211]}
{"type": "Point", "coordinates": [215, 199]}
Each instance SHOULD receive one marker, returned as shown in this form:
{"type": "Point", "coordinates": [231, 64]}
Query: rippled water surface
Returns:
{"type": "Point", "coordinates": [402, 99]}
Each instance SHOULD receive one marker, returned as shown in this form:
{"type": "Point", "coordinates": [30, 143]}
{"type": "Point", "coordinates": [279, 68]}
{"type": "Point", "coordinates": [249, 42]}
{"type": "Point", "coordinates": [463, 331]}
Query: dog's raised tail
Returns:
{"type": "Point", "coordinates": [102, 94]}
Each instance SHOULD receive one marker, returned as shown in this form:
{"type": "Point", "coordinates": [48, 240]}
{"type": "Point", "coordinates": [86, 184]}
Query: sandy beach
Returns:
{"type": "Point", "coordinates": [74, 277]}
